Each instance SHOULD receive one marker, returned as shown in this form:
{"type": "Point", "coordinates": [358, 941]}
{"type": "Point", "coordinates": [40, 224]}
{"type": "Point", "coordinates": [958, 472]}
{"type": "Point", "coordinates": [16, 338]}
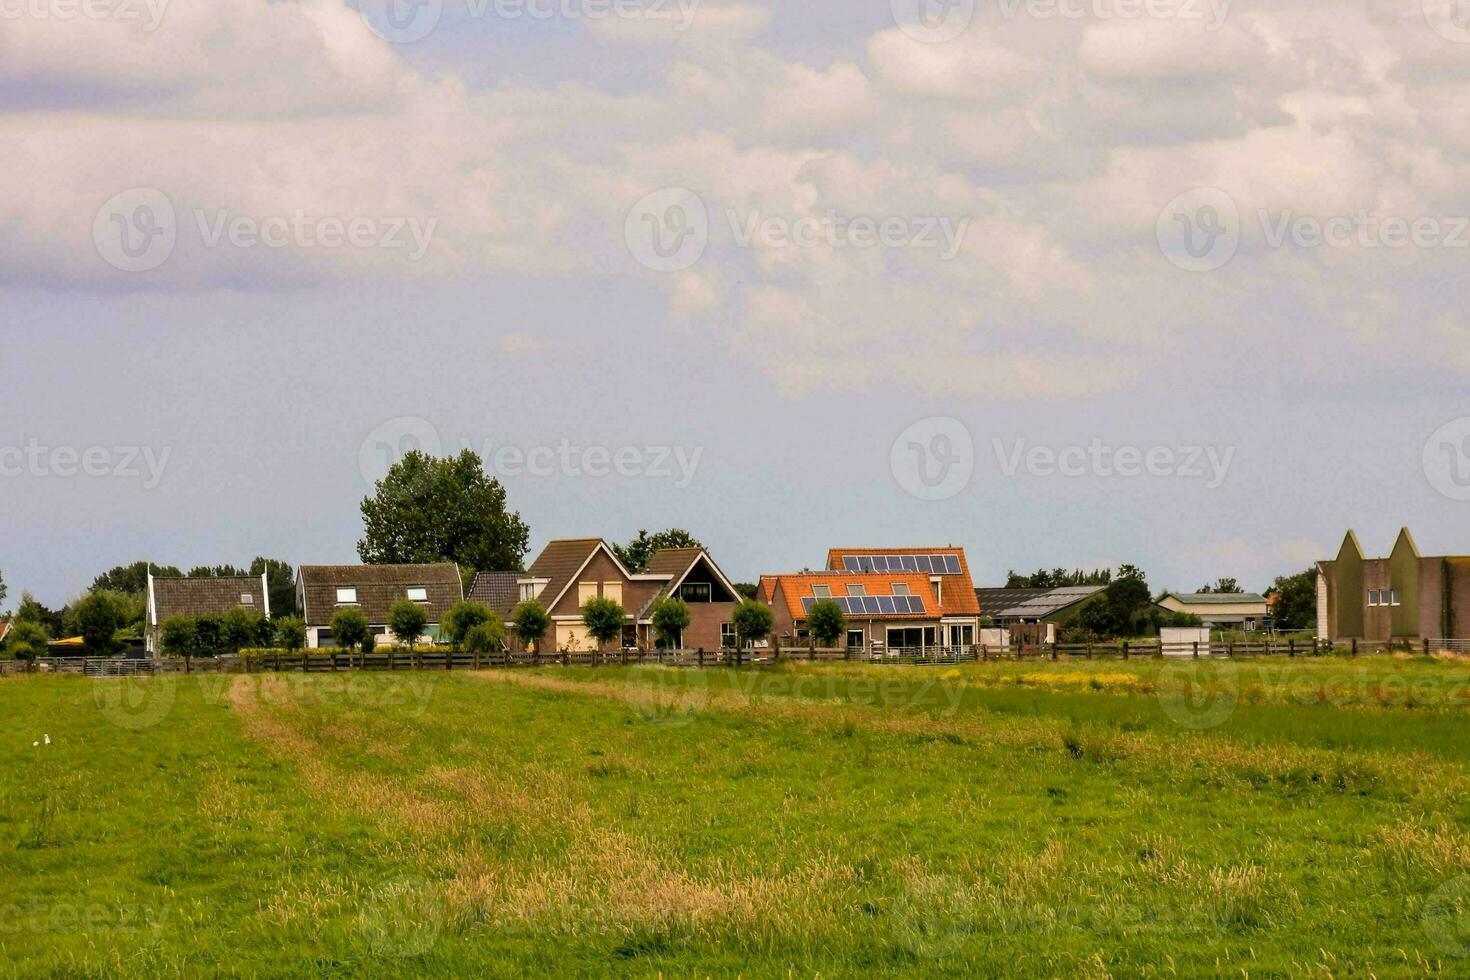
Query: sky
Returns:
{"type": "Point", "coordinates": [1180, 283]}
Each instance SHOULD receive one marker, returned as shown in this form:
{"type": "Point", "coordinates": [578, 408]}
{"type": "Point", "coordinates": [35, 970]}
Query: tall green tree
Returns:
{"type": "Point", "coordinates": [177, 636]}
{"type": "Point", "coordinates": [1224, 586]}
{"type": "Point", "coordinates": [406, 620]}
{"type": "Point", "coordinates": [31, 611]}
{"type": "Point", "coordinates": [1058, 578]}
{"type": "Point", "coordinates": [133, 578]}
{"type": "Point", "coordinates": [291, 633]}
{"type": "Point", "coordinates": [463, 617]}
{"type": "Point", "coordinates": [239, 628]}
{"type": "Point", "coordinates": [99, 616]}
{"type": "Point", "coordinates": [280, 583]}
{"type": "Point", "coordinates": [1296, 607]}
{"type": "Point", "coordinates": [603, 619]}
{"type": "Point", "coordinates": [2, 590]}
{"type": "Point", "coordinates": [532, 622]}
{"type": "Point", "coordinates": [636, 554]}
{"type": "Point", "coordinates": [430, 510]}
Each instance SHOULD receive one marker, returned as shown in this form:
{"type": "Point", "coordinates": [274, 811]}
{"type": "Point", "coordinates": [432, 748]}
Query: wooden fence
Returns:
{"type": "Point", "coordinates": [443, 659]}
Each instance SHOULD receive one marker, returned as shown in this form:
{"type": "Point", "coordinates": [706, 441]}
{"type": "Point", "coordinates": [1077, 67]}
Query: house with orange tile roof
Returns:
{"type": "Point", "coordinates": [894, 598]}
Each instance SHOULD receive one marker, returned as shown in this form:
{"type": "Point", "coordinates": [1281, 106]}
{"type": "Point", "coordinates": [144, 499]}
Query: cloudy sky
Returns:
{"type": "Point", "coordinates": [1175, 282]}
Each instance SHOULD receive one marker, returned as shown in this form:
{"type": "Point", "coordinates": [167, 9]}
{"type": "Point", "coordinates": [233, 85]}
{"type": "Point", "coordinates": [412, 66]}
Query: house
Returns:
{"type": "Point", "coordinates": [323, 590]}
{"type": "Point", "coordinates": [1246, 611]}
{"type": "Point", "coordinates": [567, 573]}
{"type": "Point", "coordinates": [1033, 615]}
{"type": "Point", "coordinates": [1404, 597]}
{"type": "Point", "coordinates": [893, 598]}
{"type": "Point", "coordinates": [201, 596]}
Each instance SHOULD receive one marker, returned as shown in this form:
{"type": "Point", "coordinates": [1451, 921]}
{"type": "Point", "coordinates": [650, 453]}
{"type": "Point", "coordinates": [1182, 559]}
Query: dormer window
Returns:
{"type": "Point", "coordinates": [900, 588]}
{"type": "Point", "coordinates": [246, 599]}
{"type": "Point", "coordinates": [346, 597]}
{"type": "Point", "coordinates": [418, 594]}
{"type": "Point", "coordinates": [822, 591]}
{"type": "Point", "coordinates": [857, 590]}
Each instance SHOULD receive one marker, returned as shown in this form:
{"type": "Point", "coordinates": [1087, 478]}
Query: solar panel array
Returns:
{"type": "Point", "coordinates": [872, 605]}
{"type": "Point", "coordinates": [928, 564]}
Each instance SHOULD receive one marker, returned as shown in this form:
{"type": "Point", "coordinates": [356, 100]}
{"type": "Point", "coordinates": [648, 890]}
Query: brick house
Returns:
{"type": "Point", "coordinates": [201, 596]}
{"type": "Point", "coordinates": [1404, 597]}
{"type": "Point", "coordinates": [567, 573]}
{"type": "Point", "coordinates": [323, 590]}
{"type": "Point", "coordinates": [893, 598]}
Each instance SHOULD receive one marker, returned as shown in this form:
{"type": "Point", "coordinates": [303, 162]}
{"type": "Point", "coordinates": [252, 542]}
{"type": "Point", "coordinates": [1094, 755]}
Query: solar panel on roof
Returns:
{"type": "Point", "coordinates": [925, 564]}
{"type": "Point", "coordinates": [870, 605]}
{"type": "Point", "coordinates": [807, 602]}
{"type": "Point", "coordinates": [885, 604]}
{"type": "Point", "coordinates": [916, 605]}
{"type": "Point", "coordinates": [952, 564]}
{"type": "Point", "coordinates": [850, 563]}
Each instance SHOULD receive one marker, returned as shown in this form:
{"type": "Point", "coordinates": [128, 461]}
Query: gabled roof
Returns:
{"type": "Point", "coordinates": [676, 564]}
{"type": "Point", "coordinates": [498, 590]}
{"type": "Point", "coordinates": [1217, 598]}
{"type": "Point", "coordinates": [561, 561]}
{"type": "Point", "coordinates": [793, 588]}
{"type": "Point", "coordinates": [959, 589]}
{"type": "Point", "coordinates": [204, 596]}
{"type": "Point", "coordinates": [378, 588]}
{"type": "Point", "coordinates": [1032, 603]}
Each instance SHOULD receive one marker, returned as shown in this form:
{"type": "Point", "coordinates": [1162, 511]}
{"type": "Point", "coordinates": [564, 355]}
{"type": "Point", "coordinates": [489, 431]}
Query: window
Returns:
{"type": "Point", "coordinates": [727, 636]}
{"type": "Point", "coordinates": [962, 636]}
{"type": "Point", "coordinates": [855, 639]}
{"type": "Point", "coordinates": [857, 590]}
{"type": "Point", "coordinates": [696, 592]}
{"type": "Point", "coordinates": [613, 591]}
{"type": "Point", "coordinates": [246, 599]}
{"type": "Point", "coordinates": [1394, 598]}
{"type": "Point", "coordinates": [900, 588]}
{"type": "Point", "coordinates": [585, 591]}
{"type": "Point", "coordinates": [822, 591]}
{"type": "Point", "coordinates": [346, 596]}
{"type": "Point", "coordinates": [418, 594]}
{"type": "Point", "coordinates": [528, 591]}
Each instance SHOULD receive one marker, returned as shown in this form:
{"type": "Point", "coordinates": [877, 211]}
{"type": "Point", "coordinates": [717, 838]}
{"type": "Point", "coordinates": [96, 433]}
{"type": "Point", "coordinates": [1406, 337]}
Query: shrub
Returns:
{"type": "Point", "coordinates": [462, 618]}
{"type": "Point", "coordinates": [290, 632]}
{"type": "Point", "coordinates": [209, 636]}
{"type": "Point", "coordinates": [349, 627]}
{"type": "Point", "coordinates": [487, 637]}
{"type": "Point", "coordinates": [176, 636]}
{"type": "Point", "coordinates": [99, 616]}
{"type": "Point", "coordinates": [369, 642]}
{"type": "Point", "coordinates": [753, 621]}
{"type": "Point", "coordinates": [26, 641]}
{"type": "Point", "coordinates": [239, 628]}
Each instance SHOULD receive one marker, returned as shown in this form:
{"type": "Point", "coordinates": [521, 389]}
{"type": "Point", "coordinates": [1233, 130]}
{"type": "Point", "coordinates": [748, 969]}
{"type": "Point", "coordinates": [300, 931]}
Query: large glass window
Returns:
{"type": "Point", "coordinates": [695, 592]}
{"type": "Point", "coordinates": [346, 596]}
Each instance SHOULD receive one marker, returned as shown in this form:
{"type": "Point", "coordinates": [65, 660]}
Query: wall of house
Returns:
{"type": "Point", "coordinates": [1403, 567]}
{"type": "Point", "coordinates": [1456, 592]}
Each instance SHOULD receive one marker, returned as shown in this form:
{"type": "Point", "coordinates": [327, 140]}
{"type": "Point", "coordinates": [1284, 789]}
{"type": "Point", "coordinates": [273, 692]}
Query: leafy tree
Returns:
{"type": "Point", "coordinates": [3, 591]}
{"type": "Point", "coordinates": [430, 510]}
{"type": "Point", "coordinates": [603, 619]}
{"type": "Point", "coordinates": [746, 590]}
{"type": "Point", "coordinates": [463, 617]}
{"type": "Point", "coordinates": [1296, 605]}
{"type": "Point", "coordinates": [209, 636]}
{"type": "Point", "coordinates": [239, 629]}
{"type": "Point", "coordinates": [486, 637]}
{"type": "Point", "coordinates": [826, 622]}
{"type": "Point", "coordinates": [99, 616]}
{"type": "Point", "coordinates": [670, 620]}
{"type": "Point", "coordinates": [177, 636]}
{"type": "Point", "coordinates": [369, 642]}
{"type": "Point", "coordinates": [1225, 586]}
{"type": "Point", "coordinates": [291, 633]}
{"type": "Point", "coordinates": [1058, 578]}
{"type": "Point", "coordinates": [531, 623]}
{"type": "Point", "coordinates": [133, 578]}
{"type": "Point", "coordinates": [280, 582]}
{"type": "Point", "coordinates": [636, 554]}
{"type": "Point", "coordinates": [31, 611]}
{"type": "Point", "coordinates": [349, 626]}
{"type": "Point", "coordinates": [753, 621]}
{"type": "Point", "coordinates": [26, 640]}
{"type": "Point", "coordinates": [406, 620]}
{"type": "Point", "coordinates": [216, 571]}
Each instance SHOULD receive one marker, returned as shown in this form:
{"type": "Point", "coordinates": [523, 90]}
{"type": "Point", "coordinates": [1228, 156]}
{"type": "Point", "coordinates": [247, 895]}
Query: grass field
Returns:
{"type": "Point", "coordinates": [1082, 819]}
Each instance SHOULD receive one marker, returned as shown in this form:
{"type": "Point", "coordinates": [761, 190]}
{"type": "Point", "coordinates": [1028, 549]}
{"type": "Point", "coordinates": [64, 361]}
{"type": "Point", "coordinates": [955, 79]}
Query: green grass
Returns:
{"type": "Point", "coordinates": [1088, 819]}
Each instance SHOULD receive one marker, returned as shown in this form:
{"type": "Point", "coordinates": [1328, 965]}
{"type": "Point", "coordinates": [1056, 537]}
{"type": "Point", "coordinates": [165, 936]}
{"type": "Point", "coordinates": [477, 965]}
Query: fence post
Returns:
{"type": "Point", "coordinates": [1291, 647]}
{"type": "Point", "coordinates": [1196, 649]}
{"type": "Point", "coordinates": [1125, 649]}
{"type": "Point", "coordinates": [701, 656]}
{"type": "Point", "coordinates": [391, 658]}
{"type": "Point", "coordinates": [1054, 651]}
{"type": "Point", "coordinates": [188, 665]}
{"type": "Point", "coordinates": [1089, 649]}
{"type": "Point", "coordinates": [984, 653]}
{"type": "Point", "coordinates": [1426, 646]}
